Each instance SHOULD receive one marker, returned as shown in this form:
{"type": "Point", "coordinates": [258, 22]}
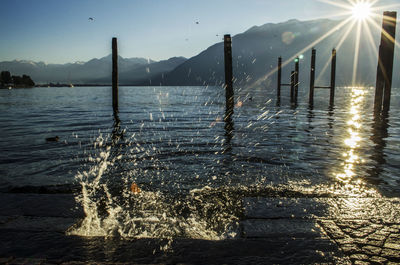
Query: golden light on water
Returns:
{"type": "Point", "coordinates": [352, 142]}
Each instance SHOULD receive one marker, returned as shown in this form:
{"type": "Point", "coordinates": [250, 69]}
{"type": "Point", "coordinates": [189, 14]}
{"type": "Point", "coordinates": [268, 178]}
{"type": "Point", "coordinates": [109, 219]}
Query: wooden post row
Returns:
{"type": "Point", "coordinates": [385, 63]}
{"type": "Point", "coordinates": [296, 79]}
{"type": "Point", "coordinates": [333, 78]}
{"type": "Point", "coordinates": [312, 78]}
{"type": "Point", "coordinates": [228, 77]}
{"type": "Point", "coordinates": [292, 82]}
{"type": "Point", "coordinates": [279, 78]}
{"type": "Point", "coordinates": [114, 74]}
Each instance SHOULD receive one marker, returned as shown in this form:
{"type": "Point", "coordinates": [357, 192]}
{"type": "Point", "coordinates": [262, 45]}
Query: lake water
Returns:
{"type": "Point", "coordinates": [173, 143]}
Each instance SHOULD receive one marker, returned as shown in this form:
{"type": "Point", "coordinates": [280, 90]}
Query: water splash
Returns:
{"type": "Point", "coordinates": [112, 209]}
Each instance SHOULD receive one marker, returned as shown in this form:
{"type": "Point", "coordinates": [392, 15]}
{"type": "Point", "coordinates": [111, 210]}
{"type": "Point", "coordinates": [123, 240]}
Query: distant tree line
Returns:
{"type": "Point", "coordinates": [6, 79]}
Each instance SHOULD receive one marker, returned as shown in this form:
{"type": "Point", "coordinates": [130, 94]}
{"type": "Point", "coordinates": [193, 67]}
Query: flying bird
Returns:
{"type": "Point", "coordinates": [91, 19]}
{"type": "Point", "coordinates": [197, 22]}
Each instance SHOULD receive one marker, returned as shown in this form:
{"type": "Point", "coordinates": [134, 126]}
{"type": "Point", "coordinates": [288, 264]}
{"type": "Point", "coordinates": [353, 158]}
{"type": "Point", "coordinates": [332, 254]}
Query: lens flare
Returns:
{"type": "Point", "coordinates": [361, 10]}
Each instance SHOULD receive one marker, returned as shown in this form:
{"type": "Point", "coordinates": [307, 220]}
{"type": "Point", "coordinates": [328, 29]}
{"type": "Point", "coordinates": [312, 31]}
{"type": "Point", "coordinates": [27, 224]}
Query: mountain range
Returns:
{"type": "Point", "coordinates": [95, 71]}
{"type": "Point", "coordinates": [255, 54]}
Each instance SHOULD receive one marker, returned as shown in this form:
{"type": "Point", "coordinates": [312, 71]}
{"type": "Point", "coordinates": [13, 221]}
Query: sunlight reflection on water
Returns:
{"type": "Point", "coordinates": [351, 183]}
{"type": "Point", "coordinates": [353, 140]}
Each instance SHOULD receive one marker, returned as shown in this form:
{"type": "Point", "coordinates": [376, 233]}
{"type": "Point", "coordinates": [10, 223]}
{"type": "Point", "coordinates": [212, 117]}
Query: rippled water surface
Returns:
{"type": "Point", "coordinates": [174, 144]}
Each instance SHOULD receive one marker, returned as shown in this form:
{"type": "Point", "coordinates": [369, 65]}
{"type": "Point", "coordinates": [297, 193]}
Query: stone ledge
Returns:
{"type": "Point", "coordinates": [387, 209]}
{"type": "Point", "coordinates": [56, 248]}
{"type": "Point", "coordinates": [54, 205]}
{"type": "Point", "coordinates": [31, 223]}
{"type": "Point", "coordinates": [281, 228]}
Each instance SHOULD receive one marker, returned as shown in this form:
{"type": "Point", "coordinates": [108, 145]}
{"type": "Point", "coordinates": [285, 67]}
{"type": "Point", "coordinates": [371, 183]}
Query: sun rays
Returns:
{"type": "Point", "coordinates": [364, 14]}
{"type": "Point", "coordinates": [358, 17]}
{"type": "Point", "coordinates": [361, 10]}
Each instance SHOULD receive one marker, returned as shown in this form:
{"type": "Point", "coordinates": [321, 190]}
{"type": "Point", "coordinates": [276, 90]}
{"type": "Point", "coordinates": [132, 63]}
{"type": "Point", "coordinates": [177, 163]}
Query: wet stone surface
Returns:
{"type": "Point", "coordinates": [55, 248]}
{"type": "Point", "coordinates": [365, 240]}
{"type": "Point", "coordinates": [365, 230]}
{"type": "Point", "coordinates": [272, 231]}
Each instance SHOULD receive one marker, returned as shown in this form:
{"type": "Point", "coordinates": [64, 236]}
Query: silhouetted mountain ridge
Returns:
{"type": "Point", "coordinates": [255, 53]}
{"type": "Point", "coordinates": [93, 71]}
{"type": "Point", "coordinates": [143, 74]}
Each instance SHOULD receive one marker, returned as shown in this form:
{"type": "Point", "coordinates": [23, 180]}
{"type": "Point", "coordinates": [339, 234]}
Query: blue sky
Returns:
{"type": "Point", "coordinates": [59, 31]}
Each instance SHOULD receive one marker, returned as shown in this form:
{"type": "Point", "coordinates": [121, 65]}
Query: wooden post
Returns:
{"type": "Point", "coordinates": [279, 78]}
{"type": "Point", "coordinates": [228, 77]}
{"type": "Point", "coordinates": [385, 62]}
{"type": "Point", "coordinates": [296, 79]}
{"type": "Point", "coordinates": [380, 83]}
{"type": "Point", "coordinates": [114, 74]}
{"type": "Point", "coordinates": [333, 78]}
{"type": "Point", "coordinates": [292, 80]}
{"type": "Point", "coordinates": [312, 78]}
{"type": "Point", "coordinates": [391, 18]}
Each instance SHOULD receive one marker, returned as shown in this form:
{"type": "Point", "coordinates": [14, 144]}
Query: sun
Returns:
{"type": "Point", "coordinates": [361, 10]}
{"type": "Point", "coordinates": [357, 18]}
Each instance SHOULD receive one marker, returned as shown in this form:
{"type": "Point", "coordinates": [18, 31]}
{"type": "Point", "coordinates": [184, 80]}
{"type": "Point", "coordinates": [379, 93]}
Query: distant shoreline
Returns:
{"type": "Point", "coordinates": [82, 85]}
{"type": "Point", "coordinates": [103, 85]}
{"type": "Point", "coordinates": [15, 87]}
{"type": "Point", "coordinates": [69, 85]}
